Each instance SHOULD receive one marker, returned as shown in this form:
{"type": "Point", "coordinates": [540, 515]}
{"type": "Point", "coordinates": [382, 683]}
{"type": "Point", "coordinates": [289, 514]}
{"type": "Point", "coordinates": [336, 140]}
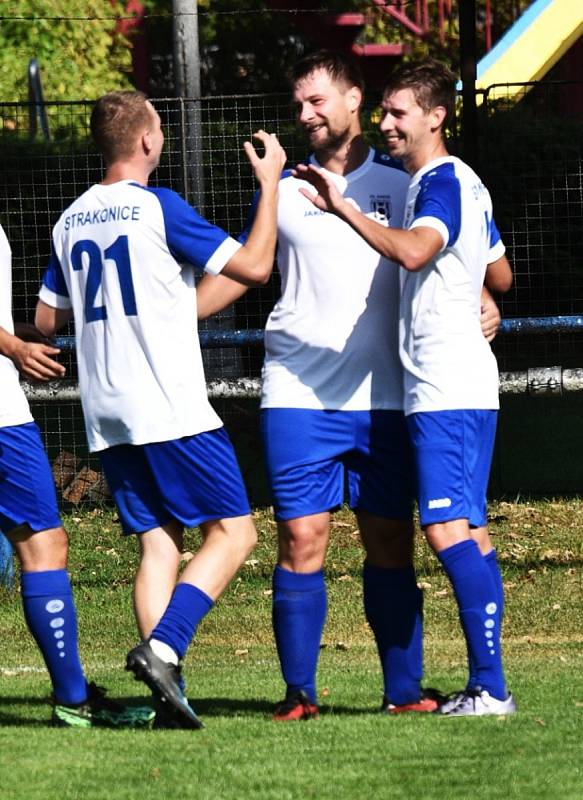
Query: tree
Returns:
{"type": "Point", "coordinates": [80, 53]}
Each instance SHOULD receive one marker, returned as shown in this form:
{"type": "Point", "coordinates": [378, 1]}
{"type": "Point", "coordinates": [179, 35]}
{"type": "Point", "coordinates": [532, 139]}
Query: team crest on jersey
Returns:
{"type": "Point", "coordinates": [381, 207]}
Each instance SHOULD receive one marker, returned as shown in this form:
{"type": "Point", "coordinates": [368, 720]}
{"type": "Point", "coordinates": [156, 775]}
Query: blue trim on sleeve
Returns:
{"type": "Point", "coordinates": [53, 278]}
{"type": "Point", "coordinates": [189, 236]}
{"type": "Point", "coordinates": [494, 233]}
{"type": "Point", "coordinates": [439, 196]}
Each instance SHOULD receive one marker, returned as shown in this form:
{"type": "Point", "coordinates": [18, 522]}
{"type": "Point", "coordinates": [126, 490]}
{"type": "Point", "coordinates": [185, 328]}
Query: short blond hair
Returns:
{"type": "Point", "coordinates": [116, 120]}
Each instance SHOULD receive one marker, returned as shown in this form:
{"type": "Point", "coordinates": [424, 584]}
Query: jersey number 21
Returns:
{"type": "Point", "coordinates": [119, 253]}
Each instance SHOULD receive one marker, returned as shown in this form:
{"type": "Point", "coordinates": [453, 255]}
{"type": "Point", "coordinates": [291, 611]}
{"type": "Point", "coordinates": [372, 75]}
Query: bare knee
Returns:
{"type": "Point", "coordinates": [482, 538]}
{"type": "Point", "coordinates": [303, 542]}
{"type": "Point", "coordinates": [239, 533]}
{"type": "Point", "coordinates": [40, 551]}
{"type": "Point", "coordinates": [442, 535]}
{"type": "Point", "coordinates": [163, 545]}
{"type": "Point", "coordinates": [388, 542]}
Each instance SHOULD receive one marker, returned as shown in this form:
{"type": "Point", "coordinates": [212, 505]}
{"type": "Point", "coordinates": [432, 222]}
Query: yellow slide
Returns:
{"type": "Point", "coordinates": [535, 42]}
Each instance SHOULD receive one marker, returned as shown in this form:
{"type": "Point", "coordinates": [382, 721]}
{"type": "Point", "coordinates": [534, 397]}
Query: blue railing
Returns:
{"type": "Point", "coordinates": [254, 336]}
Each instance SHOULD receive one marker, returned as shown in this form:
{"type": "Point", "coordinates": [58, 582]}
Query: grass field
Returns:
{"type": "Point", "coordinates": [352, 751]}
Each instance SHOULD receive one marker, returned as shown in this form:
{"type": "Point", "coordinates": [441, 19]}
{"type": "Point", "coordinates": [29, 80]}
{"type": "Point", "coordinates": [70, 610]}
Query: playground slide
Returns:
{"type": "Point", "coordinates": [536, 41]}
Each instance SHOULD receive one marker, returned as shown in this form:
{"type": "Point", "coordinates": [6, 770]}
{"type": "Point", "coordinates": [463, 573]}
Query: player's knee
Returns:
{"type": "Point", "coordinates": [249, 537]}
{"type": "Point", "coordinates": [238, 532]}
{"type": "Point", "coordinates": [40, 551]}
{"type": "Point", "coordinates": [388, 543]}
{"type": "Point", "coordinates": [302, 543]}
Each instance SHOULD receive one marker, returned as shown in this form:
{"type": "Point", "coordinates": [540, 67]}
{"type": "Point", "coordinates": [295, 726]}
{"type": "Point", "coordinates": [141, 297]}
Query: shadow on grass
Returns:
{"type": "Point", "coordinates": [16, 711]}
{"type": "Point", "coordinates": [25, 711]}
{"type": "Point", "coordinates": [228, 706]}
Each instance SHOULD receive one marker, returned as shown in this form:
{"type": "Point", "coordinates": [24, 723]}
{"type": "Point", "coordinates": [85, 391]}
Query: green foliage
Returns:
{"type": "Point", "coordinates": [80, 55]}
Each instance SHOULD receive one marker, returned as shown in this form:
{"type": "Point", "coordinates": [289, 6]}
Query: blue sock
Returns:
{"type": "Point", "coordinates": [50, 614]}
{"type": "Point", "coordinates": [394, 609]}
{"type": "Point", "coordinates": [299, 613]}
{"type": "Point", "coordinates": [491, 561]}
{"type": "Point", "coordinates": [478, 606]}
{"type": "Point", "coordinates": [187, 606]}
{"type": "Point", "coordinates": [494, 568]}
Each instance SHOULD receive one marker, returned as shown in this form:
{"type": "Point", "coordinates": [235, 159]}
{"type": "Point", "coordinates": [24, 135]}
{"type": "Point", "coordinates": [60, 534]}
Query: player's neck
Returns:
{"type": "Point", "coordinates": [346, 157]}
{"type": "Point", "coordinates": [126, 171]}
{"type": "Point", "coordinates": [425, 155]}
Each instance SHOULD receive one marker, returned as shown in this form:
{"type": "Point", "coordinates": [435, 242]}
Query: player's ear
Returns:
{"type": "Point", "coordinates": [437, 117]}
{"type": "Point", "coordinates": [146, 142]}
{"type": "Point", "coordinates": [354, 98]}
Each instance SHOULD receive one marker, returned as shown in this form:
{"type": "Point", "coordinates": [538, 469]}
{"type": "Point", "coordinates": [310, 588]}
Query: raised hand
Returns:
{"type": "Point", "coordinates": [327, 197]}
{"type": "Point", "coordinates": [267, 168]}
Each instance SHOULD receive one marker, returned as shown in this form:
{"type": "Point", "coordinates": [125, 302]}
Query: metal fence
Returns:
{"type": "Point", "coordinates": [531, 156]}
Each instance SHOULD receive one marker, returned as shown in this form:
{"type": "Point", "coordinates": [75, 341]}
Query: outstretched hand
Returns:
{"type": "Point", "coordinates": [327, 197]}
{"type": "Point", "coordinates": [34, 361]}
{"type": "Point", "coordinates": [267, 168]}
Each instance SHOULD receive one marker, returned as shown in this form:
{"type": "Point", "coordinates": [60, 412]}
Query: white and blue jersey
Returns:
{"type": "Point", "coordinates": [14, 408]}
{"type": "Point", "coordinates": [331, 341]}
{"type": "Point", "coordinates": [118, 261]}
{"type": "Point", "coordinates": [27, 490]}
{"type": "Point", "coordinates": [447, 361]}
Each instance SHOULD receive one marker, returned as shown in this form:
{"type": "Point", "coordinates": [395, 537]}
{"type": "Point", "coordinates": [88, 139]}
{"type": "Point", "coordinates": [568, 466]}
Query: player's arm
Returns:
{"type": "Point", "coordinates": [49, 319]}
{"type": "Point", "coordinates": [499, 275]}
{"type": "Point", "coordinates": [33, 359]}
{"type": "Point", "coordinates": [216, 292]}
{"type": "Point", "coordinates": [412, 249]}
{"type": "Point", "coordinates": [252, 264]}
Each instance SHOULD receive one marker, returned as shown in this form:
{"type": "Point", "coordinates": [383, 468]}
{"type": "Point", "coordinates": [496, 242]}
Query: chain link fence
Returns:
{"type": "Point", "coordinates": [531, 157]}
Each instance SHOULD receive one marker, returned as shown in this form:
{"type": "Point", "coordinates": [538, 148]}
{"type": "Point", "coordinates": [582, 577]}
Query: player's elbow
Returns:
{"type": "Point", "coordinates": [44, 320]}
{"type": "Point", "coordinates": [501, 282]}
{"type": "Point", "coordinates": [264, 276]}
{"type": "Point", "coordinates": [260, 274]}
{"type": "Point", "coordinates": [413, 260]}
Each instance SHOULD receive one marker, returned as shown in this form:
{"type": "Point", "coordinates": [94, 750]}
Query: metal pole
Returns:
{"type": "Point", "coordinates": [468, 59]}
{"type": "Point", "coordinates": [187, 86]}
{"type": "Point", "coordinates": [222, 363]}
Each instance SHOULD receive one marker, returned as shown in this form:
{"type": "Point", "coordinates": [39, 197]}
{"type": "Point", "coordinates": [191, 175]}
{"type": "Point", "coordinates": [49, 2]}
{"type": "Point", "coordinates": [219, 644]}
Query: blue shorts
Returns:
{"type": "Point", "coordinates": [194, 479]}
{"type": "Point", "coordinates": [453, 454]}
{"type": "Point", "coordinates": [311, 455]}
{"type": "Point", "coordinates": [27, 490]}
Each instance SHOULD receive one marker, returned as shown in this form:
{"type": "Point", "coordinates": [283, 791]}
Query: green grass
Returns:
{"type": "Point", "coordinates": [352, 751]}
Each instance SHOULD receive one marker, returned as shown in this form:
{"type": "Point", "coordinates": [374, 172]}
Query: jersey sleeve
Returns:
{"type": "Point", "coordinates": [192, 238]}
{"type": "Point", "coordinates": [438, 205]}
{"type": "Point", "coordinates": [497, 248]}
{"type": "Point", "coordinates": [53, 290]}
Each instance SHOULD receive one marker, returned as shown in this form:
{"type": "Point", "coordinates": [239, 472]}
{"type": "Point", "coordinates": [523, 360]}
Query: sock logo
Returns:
{"type": "Point", "coordinates": [490, 609]}
{"type": "Point", "coordinates": [53, 607]}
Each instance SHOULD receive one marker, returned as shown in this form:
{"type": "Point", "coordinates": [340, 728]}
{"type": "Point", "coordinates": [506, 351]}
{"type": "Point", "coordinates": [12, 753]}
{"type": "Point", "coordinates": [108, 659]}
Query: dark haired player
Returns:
{"type": "Point", "coordinates": [332, 402]}
{"type": "Point", "coordinates": [447, 247]}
